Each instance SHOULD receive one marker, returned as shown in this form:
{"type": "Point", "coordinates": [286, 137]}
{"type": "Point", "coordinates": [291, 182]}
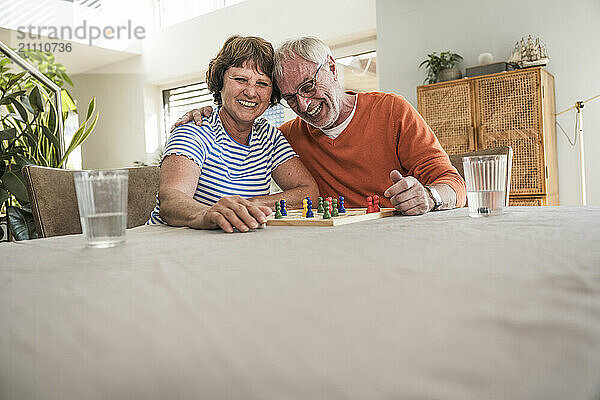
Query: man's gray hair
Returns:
{"type": "Point", "coordinates": [309, 48]}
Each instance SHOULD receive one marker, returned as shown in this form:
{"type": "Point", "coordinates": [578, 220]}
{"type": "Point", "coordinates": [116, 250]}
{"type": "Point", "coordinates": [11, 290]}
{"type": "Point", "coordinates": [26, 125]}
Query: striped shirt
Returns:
{"type": "Point", "coordinates": [228, 168]}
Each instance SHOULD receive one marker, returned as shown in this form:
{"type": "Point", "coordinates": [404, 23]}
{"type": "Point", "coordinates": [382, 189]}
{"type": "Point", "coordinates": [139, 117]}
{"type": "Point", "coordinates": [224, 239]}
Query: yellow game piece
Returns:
{"type": "Point", "coordinates": [304, 208]}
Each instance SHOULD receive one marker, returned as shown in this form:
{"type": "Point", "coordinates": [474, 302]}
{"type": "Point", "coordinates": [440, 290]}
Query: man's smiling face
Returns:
{"type": "Point", "coordinates": [323, 108]}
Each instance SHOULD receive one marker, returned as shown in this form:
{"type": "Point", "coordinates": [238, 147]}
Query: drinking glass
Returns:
{"type": "Point", "coordinates": [102, 200]}
{"type": "Point", "coordinates": [485, 177]}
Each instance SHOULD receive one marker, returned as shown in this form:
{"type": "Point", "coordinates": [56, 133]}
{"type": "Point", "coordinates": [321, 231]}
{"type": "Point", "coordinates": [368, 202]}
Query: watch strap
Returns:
{"type": "Point", "coordinates": [435, 195]}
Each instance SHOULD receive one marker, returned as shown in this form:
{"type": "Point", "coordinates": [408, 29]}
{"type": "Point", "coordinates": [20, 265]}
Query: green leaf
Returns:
{"type": "Point", "coordinates": [50, 136]}
{"type": "Point", "coordinates": [15, 185]}
{"type": "Point", "coordinates": [7, 156]}
{"type": "Point", "coordinates": [21, 110]}
{"type": "Point", "coordinates": [52, 119]}
{"type": "Point", "coordinates": [15, 116]}
{"type": "Point", "coordinates": [14, 79]}
{"type": "Point", "coordinates": [91, 108]}
{"type": "Point", "coordinates": [35, 99]}
{"type": "Point", "coordinates": [8, 134]}
{"type": "Point", "coordinates": [4, 195]}
{"type": "Point", "coordinates": [21, 223]}
{"type": "Point", "coordinates": [22, 160]}
{"type": "Point", "coordinates": [64, 75]}
{"type": "Point", "coordinates": [16, 94]}
{"type": "Point", "coordinates": [81, 134]}
{"type": "Point", "coordinates": [68, 104]}
{"type": "Point", "coordinates": [27, 104]}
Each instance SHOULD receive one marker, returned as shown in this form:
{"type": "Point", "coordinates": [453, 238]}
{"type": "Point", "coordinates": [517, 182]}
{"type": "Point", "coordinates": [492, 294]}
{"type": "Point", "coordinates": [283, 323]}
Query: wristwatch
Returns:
{"type": "Point", "coordinates": [435, 195]}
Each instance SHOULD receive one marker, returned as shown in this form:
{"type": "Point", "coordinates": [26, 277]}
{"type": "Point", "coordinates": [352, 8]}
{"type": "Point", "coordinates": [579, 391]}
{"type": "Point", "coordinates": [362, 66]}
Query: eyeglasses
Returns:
{"type": "Point", "coordinates": [306, 90]}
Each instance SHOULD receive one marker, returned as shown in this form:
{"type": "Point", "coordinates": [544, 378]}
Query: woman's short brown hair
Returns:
{"type": "Point", "coordinates": [235, 52]}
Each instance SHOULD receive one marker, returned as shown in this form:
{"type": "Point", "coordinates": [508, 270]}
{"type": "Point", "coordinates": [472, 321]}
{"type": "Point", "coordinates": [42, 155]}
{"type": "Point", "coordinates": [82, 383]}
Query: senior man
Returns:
{"type": "Point", "coordinates": [359, 144]}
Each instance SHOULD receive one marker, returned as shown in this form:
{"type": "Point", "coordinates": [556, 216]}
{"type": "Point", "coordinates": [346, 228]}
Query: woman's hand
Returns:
{"type": "Point", "coordinates": [233, 212]}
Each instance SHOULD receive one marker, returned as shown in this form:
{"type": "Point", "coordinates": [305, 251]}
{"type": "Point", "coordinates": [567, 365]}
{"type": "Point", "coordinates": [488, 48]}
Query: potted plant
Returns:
{"type": "Point", "coordinates": [442, 67]}
{"type": "Point", "coordinates": [29, 133]}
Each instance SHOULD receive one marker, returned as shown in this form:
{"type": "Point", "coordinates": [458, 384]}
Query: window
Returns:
{"type": "Point", "coordinates": [179, 100]}
{"type": "Point", "coordinates": [359, 72]}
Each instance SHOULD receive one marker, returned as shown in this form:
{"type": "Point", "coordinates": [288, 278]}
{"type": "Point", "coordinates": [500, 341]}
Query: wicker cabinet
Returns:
{"type": "Point", "coordinates": [509, 108]}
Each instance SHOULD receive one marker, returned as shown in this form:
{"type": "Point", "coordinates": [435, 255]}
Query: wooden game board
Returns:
{"type": "Point", "coordinates": [352, 215]}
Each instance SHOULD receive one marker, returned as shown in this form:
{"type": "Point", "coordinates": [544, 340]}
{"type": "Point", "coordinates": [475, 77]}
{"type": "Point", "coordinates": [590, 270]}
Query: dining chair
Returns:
{"type": "Point", "coordinates": [456, 161]}
{"type": "Point", "coordinates": [54, 201]}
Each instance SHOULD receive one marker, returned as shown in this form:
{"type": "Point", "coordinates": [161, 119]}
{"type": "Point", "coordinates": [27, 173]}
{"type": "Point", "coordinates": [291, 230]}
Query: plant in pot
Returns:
{"type": "Point", "coordinates": [29, 133]}
{"type": "Point", "coordinates": [442, 67]}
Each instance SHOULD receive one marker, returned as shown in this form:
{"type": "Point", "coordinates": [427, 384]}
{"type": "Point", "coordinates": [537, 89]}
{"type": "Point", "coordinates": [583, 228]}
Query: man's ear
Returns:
{"type": "Point", "coordinates": [331, 65]}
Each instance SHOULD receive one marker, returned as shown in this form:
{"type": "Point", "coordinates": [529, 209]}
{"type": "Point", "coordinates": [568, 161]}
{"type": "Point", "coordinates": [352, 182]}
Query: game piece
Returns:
{"type": "Point", "coordinates": [326, 214]}
{"type": "Point", "coordinates": [334, 209]}
{"type": "Point", "coordinates": [376, 203]}
{"type": "Point", "coordinates": [283, 209]}
{"type": "Point", "coordinates": [341, 208]}
{"type": "Point", "coordinates": [309, 211]}
{"type": "Point", "coordinates": [370, 205]}
{"type": "Point", "coordinates": [330, 203]}
{"type": "Point", "coordinates": [320, 205]}
{"type": "Point", "coordinates": [304, 207]}
{"type": "Point", "coordinates": [278, 211]}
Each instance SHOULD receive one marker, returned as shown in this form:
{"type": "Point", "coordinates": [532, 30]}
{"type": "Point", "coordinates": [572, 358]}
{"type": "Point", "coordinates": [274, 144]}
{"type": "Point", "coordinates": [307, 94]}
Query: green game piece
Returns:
{"type": "Point", "coordinates": [278, 211]}
{"type": "Point", "coordinates": [326, 214]}
{"type": "Point", "coordinates": [334, 210]}
{"type": "Point", "coordinates": [320, 205]}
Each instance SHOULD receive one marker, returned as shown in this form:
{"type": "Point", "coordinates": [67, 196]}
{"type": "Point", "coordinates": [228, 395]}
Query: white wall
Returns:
{"type": "Point", "coordinates": [128, 93]}
{"type": "Point", "coordinates": [119, 137]}
{"type": "Point", "coordinates": [408, 30]}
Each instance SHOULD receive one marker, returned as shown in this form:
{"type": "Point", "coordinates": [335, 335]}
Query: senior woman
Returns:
{"type": "Point", "coordinates": [219, 174]}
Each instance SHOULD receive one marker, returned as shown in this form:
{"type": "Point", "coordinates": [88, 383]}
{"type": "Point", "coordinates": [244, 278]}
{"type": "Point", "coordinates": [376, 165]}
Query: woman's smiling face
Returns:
{"type": "Point", "coordinates": [246, 93]}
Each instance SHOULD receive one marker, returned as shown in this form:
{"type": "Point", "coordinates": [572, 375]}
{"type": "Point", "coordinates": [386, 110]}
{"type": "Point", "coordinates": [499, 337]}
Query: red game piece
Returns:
{"type": "Point", "coordinates": [330, 203]}
{"type": "Point", "coordinates": [376, 204]}
{"type": "Point", "coordinates": [370, 205]}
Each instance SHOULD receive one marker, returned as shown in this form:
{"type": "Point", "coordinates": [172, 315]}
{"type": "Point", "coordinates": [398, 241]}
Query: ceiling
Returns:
{"type": "Point", "coordinates": [80, 59]}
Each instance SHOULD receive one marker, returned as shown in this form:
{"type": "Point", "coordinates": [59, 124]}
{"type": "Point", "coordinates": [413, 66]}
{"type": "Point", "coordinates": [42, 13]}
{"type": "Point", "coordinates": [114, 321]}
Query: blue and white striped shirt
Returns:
{"type": "Point", "coordinates": [228, 168]}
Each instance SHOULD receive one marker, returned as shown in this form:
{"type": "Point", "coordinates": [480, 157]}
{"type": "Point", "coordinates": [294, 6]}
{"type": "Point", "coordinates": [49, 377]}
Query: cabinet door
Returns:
{"type": "Point", "coordinates": [447, 109]}
{"type": "Point", "coordinates": [527, 201]}
{"type": "Point", "coordinates": [509, 114]}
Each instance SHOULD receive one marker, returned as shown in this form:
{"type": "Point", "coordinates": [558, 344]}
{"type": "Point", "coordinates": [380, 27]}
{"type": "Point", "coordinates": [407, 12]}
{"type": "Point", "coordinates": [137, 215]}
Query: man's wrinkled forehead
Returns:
{"type": "Point", "coordinates": [295, 71]}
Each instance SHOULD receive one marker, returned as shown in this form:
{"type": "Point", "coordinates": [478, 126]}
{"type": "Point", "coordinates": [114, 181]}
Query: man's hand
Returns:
{"type": "Point", "coordinates": [195, 114]}
{"type": "Point", "coordinates": [408, 195]}
{"type": "Point", "coordinates": [234, 211]}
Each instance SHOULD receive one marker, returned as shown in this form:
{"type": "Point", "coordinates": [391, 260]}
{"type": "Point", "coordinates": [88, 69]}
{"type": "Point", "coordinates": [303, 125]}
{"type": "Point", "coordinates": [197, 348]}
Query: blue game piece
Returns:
{"type": "Point", "coordinates": [283, 209]}
{"type": "Point", "coordinates": [341, 208]}
{"type": "Point", "coordinates": [309, 211]}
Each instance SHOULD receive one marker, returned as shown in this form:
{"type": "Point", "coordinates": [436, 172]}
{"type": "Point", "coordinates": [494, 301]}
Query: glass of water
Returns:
{"type": "Point", "coordinates": [102, 200]}
{"type": "Point", "coordinates": [486, 179]}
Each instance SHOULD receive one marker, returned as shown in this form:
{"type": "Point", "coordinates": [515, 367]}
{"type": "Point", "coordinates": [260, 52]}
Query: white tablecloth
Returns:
{"type": "Point", "coordinates": [440, 306]}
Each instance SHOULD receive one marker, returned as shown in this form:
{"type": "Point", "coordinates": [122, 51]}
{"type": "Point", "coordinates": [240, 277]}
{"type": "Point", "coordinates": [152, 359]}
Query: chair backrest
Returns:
{"type": "Point", "coordinates": [456, 160]}
{"type": "Point", "coordinates": [54, 201]}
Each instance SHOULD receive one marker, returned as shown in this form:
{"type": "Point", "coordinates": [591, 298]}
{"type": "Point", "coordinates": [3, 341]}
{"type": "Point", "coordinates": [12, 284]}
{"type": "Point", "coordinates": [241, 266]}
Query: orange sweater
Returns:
{"type": "Point", "coordinates": [385, 133]}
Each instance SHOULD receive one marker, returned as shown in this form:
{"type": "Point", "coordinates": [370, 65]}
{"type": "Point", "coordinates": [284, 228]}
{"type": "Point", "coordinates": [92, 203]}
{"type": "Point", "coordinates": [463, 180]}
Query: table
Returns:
{"type": "Point", "coordinates": [439, 306]}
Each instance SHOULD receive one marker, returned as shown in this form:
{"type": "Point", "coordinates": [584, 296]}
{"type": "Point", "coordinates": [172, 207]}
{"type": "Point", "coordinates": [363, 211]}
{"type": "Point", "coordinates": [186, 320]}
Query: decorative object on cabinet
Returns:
{"type": "Point", "coordinates": [486, 69]}
{"type": "Point", "coordinates": [443, 67]}
{"type": "Point", "coordinates": [516, 109]}
{"type": "Point", "coordinates": [528, 53]}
